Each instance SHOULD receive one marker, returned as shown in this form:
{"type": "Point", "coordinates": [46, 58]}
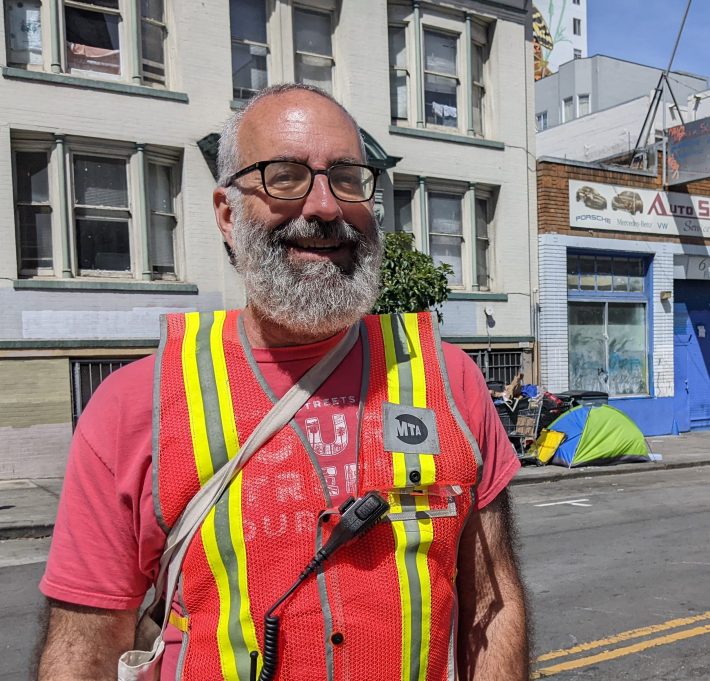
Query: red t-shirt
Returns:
{"type": "Point", "coordinates": [107, 542]}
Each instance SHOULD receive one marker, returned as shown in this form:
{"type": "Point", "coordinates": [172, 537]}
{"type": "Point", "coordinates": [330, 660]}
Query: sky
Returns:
{"type": "Point", "coordinates": [644, 31]}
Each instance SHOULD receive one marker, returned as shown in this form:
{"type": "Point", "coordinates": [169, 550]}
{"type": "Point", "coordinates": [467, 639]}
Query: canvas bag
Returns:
{"type": "Point", "coordinates": [143, 663]}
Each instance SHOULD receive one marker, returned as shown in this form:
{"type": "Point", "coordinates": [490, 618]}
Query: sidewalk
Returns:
{"type": "Point", "coordinates": [28, 507]}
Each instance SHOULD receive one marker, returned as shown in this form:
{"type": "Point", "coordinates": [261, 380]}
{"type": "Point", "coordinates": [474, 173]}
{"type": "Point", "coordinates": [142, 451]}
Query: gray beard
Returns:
{"type": "Point", "coordinates": [312, 299]}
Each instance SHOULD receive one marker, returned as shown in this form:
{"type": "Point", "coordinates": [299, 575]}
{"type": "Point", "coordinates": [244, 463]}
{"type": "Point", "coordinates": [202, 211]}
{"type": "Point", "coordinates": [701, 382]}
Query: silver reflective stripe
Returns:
{"type": "Point", "coordinates": [447, 512]}
{"type": "Point", "coordinates": [325, 606]}
{"type": "Point", "coordinates": [155, 436]}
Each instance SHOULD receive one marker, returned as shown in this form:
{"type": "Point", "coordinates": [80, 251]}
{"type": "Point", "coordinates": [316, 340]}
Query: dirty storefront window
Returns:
{"type": "Point", "coordinates": [607, 323]}
{"type": "Point", "coordinates": [607, 347]}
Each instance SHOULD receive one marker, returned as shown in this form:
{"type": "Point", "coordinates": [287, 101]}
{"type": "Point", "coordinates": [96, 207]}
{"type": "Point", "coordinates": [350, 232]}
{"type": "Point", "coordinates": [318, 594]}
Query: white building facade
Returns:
{"type": "Point", "coordinates": [108, 115]}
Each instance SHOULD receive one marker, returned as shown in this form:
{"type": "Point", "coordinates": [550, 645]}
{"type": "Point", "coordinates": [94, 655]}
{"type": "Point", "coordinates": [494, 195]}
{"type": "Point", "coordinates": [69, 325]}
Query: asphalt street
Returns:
{"type": "Point", "coordinates": [617, 573]}
{"type": "Point", "coordinates": [616, 569]}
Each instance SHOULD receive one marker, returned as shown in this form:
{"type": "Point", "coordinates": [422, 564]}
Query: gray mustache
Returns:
{"type": "Point", "coordinates": [315, 229]}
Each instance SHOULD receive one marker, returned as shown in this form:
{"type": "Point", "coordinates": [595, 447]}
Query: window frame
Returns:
{"type": "Point", "coordinates": [154, 158]}
{"type": "Point", "coordinates": [568, 103]}
{"type": "Point", "coordinates": [398, 70]}
{"type": "Point", "coordinates": [479, 85]}
{"type": "Point", "coordinates": [153, 82]}
{"type": "Point", "coordinates": [53, 36]}
{"type": "Point", "coordinates": [451, 190]}
{"type": "Point", "coordinates": [471, 31]}
{"type": "Point", "coordinates": [607, 297]}
{"type": "Point", "coordinates": [123, 44]}
{"type": "Point", "coordinates": [576, 26]}
{"type": "Point", "coordinates": [314, 9]}
{"type": "Point", "coordinates": [419, 189]}
{"type": "Point", "coordinates": [439, 74]}
{"type": "Point", "coordinates": [33, 146]}
{"type": "Point", "coordinates": [137, 212]}
{"type": "Point", "coordinates": [255, 43]}
{"type": "Point", "coordinates": [130, 212]}
{"type": "Point", "coordinates": [580, 98]}
{"type": "Point", "coordinates": [541, 117]}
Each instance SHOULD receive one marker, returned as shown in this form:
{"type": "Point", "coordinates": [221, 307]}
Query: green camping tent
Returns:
{"type": "Point", "coordinates": [596, 436]}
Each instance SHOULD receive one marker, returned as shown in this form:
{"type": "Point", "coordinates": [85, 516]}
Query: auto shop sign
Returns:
{"type": "Point", "coordinates": [640, 211]}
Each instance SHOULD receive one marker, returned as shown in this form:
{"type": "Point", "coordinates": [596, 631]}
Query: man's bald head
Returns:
{"type": "Point", "coordinates": [229, 160]}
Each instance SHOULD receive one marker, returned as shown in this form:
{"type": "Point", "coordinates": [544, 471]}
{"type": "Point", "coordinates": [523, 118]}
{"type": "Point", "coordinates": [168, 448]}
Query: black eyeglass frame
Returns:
{"type": "Point", "coordinates": [262, 165]}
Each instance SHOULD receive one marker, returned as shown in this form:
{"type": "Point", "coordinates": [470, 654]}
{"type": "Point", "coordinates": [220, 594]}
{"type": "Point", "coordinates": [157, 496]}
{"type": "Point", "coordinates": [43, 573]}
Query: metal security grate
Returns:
{"type": "Point", "coordinates": [86, 375]}
{"type": "Point", "coordinates": [498, 365]}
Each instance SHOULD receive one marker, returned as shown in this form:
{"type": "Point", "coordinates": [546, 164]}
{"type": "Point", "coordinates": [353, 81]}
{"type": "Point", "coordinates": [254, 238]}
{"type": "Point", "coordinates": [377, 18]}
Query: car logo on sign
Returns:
{"type": "Point", "coordinates": [411, 430]}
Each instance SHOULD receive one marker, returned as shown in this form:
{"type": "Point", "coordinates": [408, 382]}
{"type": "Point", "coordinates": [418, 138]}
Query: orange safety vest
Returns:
{"type": "Point", "coordinates": [385, 605]}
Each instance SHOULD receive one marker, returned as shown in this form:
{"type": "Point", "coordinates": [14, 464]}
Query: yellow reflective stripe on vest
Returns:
{"type": "Point", "coordinates": [214, 558]}
{"type": "Point", "coordinates": [413, 539]}
{"type": "Point", "coordinates": [193, 393]}
{"type": "Point", "coordinates": [399, 463]}
{"type": "Point", "coordinates": [406, 384]}
{"type": "Point", "coordinates": [208, 394]}
{"type": "Point", "coordinates": [224, 394]}
{"type": "Point", "coordinates": [223, 539]}
{"type": "Point", "coordinates": [416, 362]}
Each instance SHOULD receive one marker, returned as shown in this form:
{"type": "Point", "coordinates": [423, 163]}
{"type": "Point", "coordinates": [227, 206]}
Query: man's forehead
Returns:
{"type": "Point", "coordinates": [289, 122]}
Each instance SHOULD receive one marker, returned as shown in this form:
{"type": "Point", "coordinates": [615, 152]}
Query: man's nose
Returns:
{"type": "Point", "coordinates": [320, 202]}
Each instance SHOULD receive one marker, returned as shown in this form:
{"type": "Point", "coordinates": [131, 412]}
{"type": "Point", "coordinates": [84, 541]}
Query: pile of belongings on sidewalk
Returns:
{"type": "Point", "coordinates": [570, 429]}
{"type": "Point", "coordinates": [525, 410]}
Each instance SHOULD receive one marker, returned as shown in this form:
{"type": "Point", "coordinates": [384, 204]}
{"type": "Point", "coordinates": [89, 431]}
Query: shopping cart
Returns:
{"type": "Point", "coordinates": [520, 422]}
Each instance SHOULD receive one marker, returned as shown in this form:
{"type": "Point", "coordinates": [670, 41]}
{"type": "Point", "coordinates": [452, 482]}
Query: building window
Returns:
{"type": "Point", "coordinates": [313, 48]}
{"type": "Point", "coordinates": [576, 2]}
{"type": "Point", "coordinates": [446, 233]}
{"type": "Point", "coordinates": [440, 79]}
{"type": "Point", "coordinates": [607, 318]}
{"type": "Point", "coordinates": [541, 121]}
{"type": "Point", "coordinates": [577, 53]}
{"type": "Point", "coordinates": [582, 105]}
{"type": "Point", "coordinates": [154, 31]}
{"type": "Point", "coordinates": [567, 109]}
{"type": "Point", "coordinates": [452, 223]}
{"type": "Point", "coordinates": [399, 75]}
{"type": "Point", "coordinates": [483, 220]}
{"type": "Point", "coordinates": [90, 38]}
{"type": "Point", "coordinates": [163, 218]}
{"type": "Point", "coordinates": [577, 26]}
{"type": "Point", "coordinates": [250, 47]}
{"type": "Point", "coordinates": [23, 25]}
{"type": "Point", "coordinates": [86, 376]}
{"type": "Point", "coordinates": [444, 84]}
{"type": "Point", "coordinates": [402, 210]}
{"type": "Point", "coordinates": [498, 365]}
{"type": "Point", "coordinates": [101, 214]}
{"type": "Point", "coordinates": [104, 229]}
{"type": "Point", "coordinates": [33, 212]}
{"type": "Point", "coordinates": [478, 90]}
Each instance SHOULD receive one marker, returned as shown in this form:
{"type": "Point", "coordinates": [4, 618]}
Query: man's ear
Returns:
{"type": "Point", "coordinates": [223, 214]}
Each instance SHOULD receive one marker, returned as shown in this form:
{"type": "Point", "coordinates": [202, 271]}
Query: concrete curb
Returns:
{"type": "Point", "coordinates": [570, 473]}
{"type": "Point", "coordinates": [27, 531]}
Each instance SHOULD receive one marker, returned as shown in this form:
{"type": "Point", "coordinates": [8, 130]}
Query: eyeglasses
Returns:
{"type": "Point", "coordinates": [291, 180]}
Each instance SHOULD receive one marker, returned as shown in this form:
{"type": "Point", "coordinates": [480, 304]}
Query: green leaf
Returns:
{"type": "Point", "coordinates": [411, 281]}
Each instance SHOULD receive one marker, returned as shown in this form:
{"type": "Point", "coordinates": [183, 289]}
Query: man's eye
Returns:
{"type": "Point", "coordinates": [285, 177]}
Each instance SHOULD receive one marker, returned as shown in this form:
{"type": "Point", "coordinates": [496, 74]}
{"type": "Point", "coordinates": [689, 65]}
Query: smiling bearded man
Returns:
{"type": "Point", "coordinates": [430, 593]}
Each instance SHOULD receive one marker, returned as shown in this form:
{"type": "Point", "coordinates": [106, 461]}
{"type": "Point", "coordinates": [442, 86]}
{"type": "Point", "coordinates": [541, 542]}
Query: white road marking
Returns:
{"type": "Point", "coordinates": [570, 502]}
